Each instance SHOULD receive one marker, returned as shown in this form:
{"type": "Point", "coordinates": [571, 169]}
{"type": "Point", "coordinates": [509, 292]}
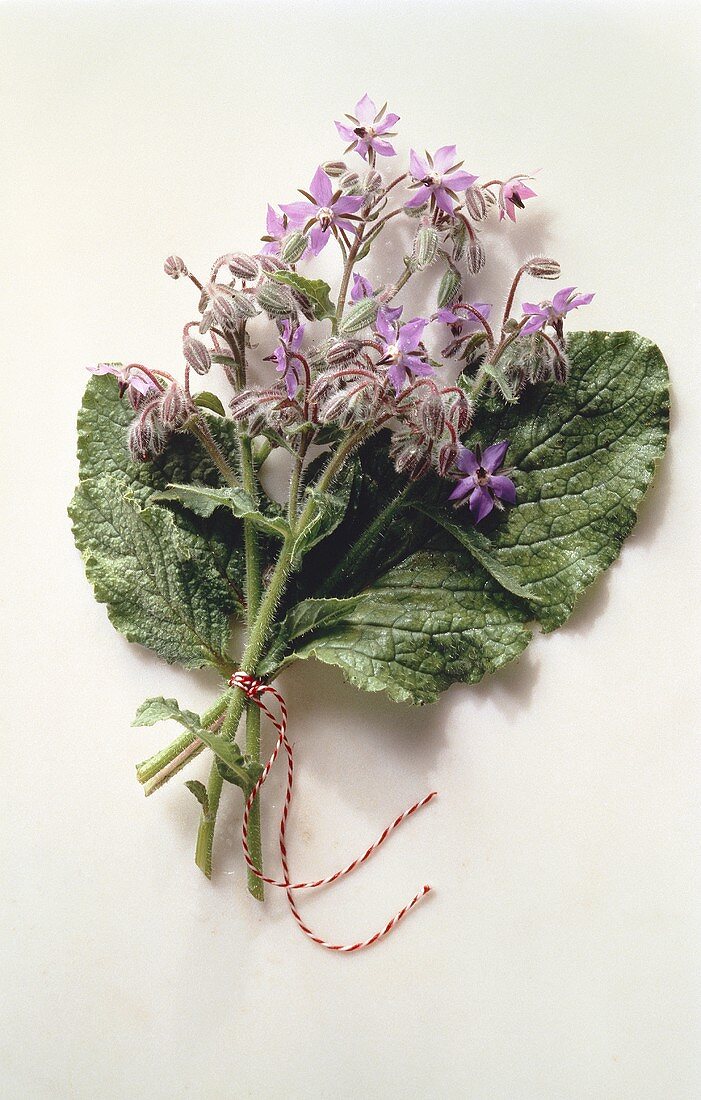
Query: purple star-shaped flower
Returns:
{"type": "Point", "coordinates": [482, 485]}
{"type": "Point", "coordinates": [277, 226]}
{"type": "Point", "coordinates": [370, 124]}
{"type": "Point", "coordinates": [129, 378]}
{"type": "Point", "coordinates": [438, 177]}
{"type": "Point", "coordinates": [285, 356]}
{"type": "Point", "coordinates": [464, 322]}
{"type": "Point", "coordinates": [403, 353]}
{"type": "Point", "coordinates": [512, 195]}
{"type": "Point", "coordinates": [324, 208]}
{"type": "Point", "coordinates": [553, 312]}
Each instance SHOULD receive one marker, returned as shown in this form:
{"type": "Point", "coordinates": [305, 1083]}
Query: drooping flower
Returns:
{"type": "Point", "coordinates": [511, 195]}
{"type": "Point", "coordinates": [403, 352]}
{"type": "Point", "coordinates": [464, 322]}
{"type": "Point", "coordinates": [285, 356]}
{"type": "Point", "coordinates": [553, 312]}
{"type": "Point", "coordinates": [482, 486]}
{"type": "Point", "coordinates": [438, 177]}
{"type": "Point", "coordinates": [276, 225]}
{"type": "Point", "coordinates": [131, 378]}
{"type": "Point", "coordinates": [368, 126]}
{"type": "Point", "coordinates": [324, 209]}
{"type": "Point", "coordinates": [362, 288]}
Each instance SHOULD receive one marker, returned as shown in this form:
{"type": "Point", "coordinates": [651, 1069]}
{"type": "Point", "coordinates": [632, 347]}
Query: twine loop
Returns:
{"type": "Point", "coordinates": [255, 690]}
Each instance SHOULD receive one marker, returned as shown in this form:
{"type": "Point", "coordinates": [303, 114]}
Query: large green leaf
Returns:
{"type": "Point", "coordinates": [316, 290]}
{"type": "Point", "coordinates": [158, 579]}
{"type": "Point", "coordinates": [583, 456]}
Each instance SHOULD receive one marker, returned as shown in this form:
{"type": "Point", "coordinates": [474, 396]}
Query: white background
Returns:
{"type": "Point", "coordinates": [558, 957]}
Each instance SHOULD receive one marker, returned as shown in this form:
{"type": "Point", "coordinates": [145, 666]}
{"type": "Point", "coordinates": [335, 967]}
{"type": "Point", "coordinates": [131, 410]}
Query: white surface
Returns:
{"type": "Point", "coordinates": [559, 955]}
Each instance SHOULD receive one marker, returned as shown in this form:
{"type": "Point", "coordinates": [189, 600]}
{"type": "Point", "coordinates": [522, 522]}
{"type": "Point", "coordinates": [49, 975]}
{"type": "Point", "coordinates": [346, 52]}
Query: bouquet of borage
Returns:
{"type": "Point", "coordinates": [454, 477]}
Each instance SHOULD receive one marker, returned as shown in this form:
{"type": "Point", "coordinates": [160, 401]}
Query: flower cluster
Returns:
{"type": "Point", "coordinates": [344, 368]}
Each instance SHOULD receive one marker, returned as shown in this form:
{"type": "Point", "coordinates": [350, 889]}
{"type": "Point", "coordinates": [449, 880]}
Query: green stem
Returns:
{"type": "Point", "coordinates": [378, 525]}
{"type": "Point", "coordinates": [161, 761]}
{"type": "Point", "coordinates": [201, 429]}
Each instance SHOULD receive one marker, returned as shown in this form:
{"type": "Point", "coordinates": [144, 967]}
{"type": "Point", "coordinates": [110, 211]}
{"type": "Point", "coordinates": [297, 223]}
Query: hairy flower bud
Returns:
{"type": "Point", "coordinates": [475, 257]}
{"type": "Point", "coordinates": [476, 203]}
{"type": "Point", "coordinates": [372, 180]}
{"type": "Point", "coordinates": [175, 408]}
{"type": "Point", "coordinates": [276, 299]}
{"type": "Point", "coordinates": [196, 355]}
{"type": "Point", "coordinates": [450, 288]}
{"type": "Point", "coordinates": [446, 457]}
{"type": "Point", "coordinates": [270, 263]}
{"type": "Point", "coordinates": [433, 415]}
{"type": "Point", "coordinates": [425, 247]}
{"type": "Point", "coordinates": [138, 442]}
{"type": "Point", "coordinates": [349, 180]}
{"type": "Point", "coordinates": [242, 266]}
{"type": "Point", "coordinates": [293, 246]}
{"type": "Point", "coordinates": [244, 304]}
{"type": "Point", "coordinates": [359, 316]}
{"type": "Point", "coordinates": [220, 301]}
{"type": "Point", "coordinates": [334, 168]}
{"type": "Point", "coordinates": [412, 456]}
{"type": "Point", "coordinates": [542, 267]}
{"type": "Point", "coordinates": [175, 268]}
{"type": "Point", "coordinates": [343, 352]}
{"type": "Point", "coordinates": [460, 412]}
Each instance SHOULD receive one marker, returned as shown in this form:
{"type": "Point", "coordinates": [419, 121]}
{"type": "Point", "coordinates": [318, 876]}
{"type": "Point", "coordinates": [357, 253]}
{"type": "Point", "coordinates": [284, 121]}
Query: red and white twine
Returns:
{"type": "Point", "coordinates": [255, 690]}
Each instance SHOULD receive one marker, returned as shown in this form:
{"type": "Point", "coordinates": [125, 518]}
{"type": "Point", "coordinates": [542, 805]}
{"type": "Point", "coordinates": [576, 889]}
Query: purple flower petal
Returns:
{"type": "Point", "coordinates": [365, 111]}
{"type": "Point", "coordinates": [459, 181]}
{"type": "Point", "coordinates": [362, 288]}
{"type": "Point", "coordinates": [384, 325]}
{"type": "Point", "coordinates": [493, 456]}
{"type": "Point", "coordinates": [467, 461]}
{"type": "Point", "coordinates": [560, 300]}
{"type": "Point", "coordinates": [321, 188]}
{"type": "Point", "coordinates": [386, 123]}
{"type": "Point", "coordinates": [534, 325]}
{"type": "Point", "coordinates": [443, 199]}
{"type": "Point", "coordinates": [345, 131]}
{"type": "Point", "coordinates": [444, 158]}
{"type": "Point", "coordinates": [463, 487]}
{"type": "Point", "coordinates": [318, 239]}
{"type": "Point", "coordinates": [410, 334]}
{"type": "Point", "coordinates": [417, 165]}
{"type": "Point", "coordinates": [383, 147]}
{"type": "Point", "coordinates": [397, 376]}
{"type": "Point", "coordinates": [581, 300]}
{"type": "Point", "coordinates": [504, 488]}
{"type": "Point", "coordinates": [481, 504]}
{"type": "Point", "coordinates": [419, 197]}
{"type": "Point", "coordinates": [298, 212]}
{"type": "Point", "coordinates": [348, 204]}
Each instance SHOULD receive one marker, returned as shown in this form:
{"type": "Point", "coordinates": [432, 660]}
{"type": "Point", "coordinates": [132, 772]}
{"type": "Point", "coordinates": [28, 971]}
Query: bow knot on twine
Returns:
{"type": "Point", "coordinates": [255, 690]}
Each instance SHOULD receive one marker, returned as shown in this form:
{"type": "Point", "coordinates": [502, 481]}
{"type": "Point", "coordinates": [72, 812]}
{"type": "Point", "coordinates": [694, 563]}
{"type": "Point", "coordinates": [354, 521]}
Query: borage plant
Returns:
{"type": "Point", "coordinates": [408, 553]}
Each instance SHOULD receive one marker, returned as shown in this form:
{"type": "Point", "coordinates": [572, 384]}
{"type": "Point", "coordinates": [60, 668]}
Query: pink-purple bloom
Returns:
{"type": "Point", "coordinates": [483, 486]}
{"type": "Point", "coordinates": [285, 355]}
{"type": "Point", "coordinates": [362, 288]}
{"type": "Point", "coordinates": [324, 209]}
{"type": "Point", "coordinates": [512, 194]}
{"type": "Point", "coordinates": [277, 226]}
{"type": "Point", "coordinates": [438, 178]}
{"type": "Point", "coordinates": [403, 352]}
{"type": "Point", "coordinates": [369, 126]}
{"type": "Point", "coordinates": [464, 322]}
{"type": "Point", "coordinates": [129, 377]}
{"type": "Point", "coordinates": [552, 313]}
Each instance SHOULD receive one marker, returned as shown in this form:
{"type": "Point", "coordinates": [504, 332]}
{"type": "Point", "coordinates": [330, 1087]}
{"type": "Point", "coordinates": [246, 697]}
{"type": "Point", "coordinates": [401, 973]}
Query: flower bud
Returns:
{"type": "Point", "coordinates": [343, 352]}
{"type": "Point", "coordinates": [196, 355]}
{"type": "Point", "coordinates": [561, 369]}
{"type": "Point", "coordinates": [460, 412]}
{"type": "Point", "coordinates": [270, 263]}
{"type": "Point", "coordinates": [475, 257]}
{"type": "Point", "coordinates": [372, 181]}
{"type": "Point", "coordinates": [433, 415]}
{"type": "Point", "coordinates": [244, 304]}
{"type": "Point", "coordinates": [293, 246]}
{"type": "Point", "coordinates": [303, 302]}
{"type": "Point", "coordinates": [450, 288]}
{"type": "Point", "coordinates": [220, 301]}
{"type": "Point", "coordinates": [413, 458]}
{"type": "Point", "coordinates": [175, 409]}
{"type": "Point", "coordinates": [425, 247]}
{"type": "Point", "coordinates": [349, 180]}
{"type": "Point", "coordinates": [542, 267]}
{"type": "Point", "coordinates": [334, 168]}
{"type": "Point", "coordinates": [276, 300]}
{"type": "Point", "coordinates": [446, 457]}
{"type": "Point", "coordinates": [174, 267]}
{"type": "Point", "coordinates": [459, 238]}
{"type": "Point", "coordinates": [242, 266]}
{"type": "Point", "coordinates": [138, 442]}
{"type": "Point", "coordinates": [359, 316]}
{"type": "Point", "coordinates": [476, 203]}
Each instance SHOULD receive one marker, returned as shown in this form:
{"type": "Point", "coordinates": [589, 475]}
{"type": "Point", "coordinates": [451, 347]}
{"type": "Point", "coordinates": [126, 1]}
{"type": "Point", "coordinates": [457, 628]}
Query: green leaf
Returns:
{"type": "Point", "coordinates": [103, 422]}
{"type": "Point", "coordinates": [159, 582]}
{"type": "Point", "coordinates": [583, 455]}
{"type": "Point", "coordinates": [330, 507]}
{"type": "Point", "coordinates": [206, 400]}
{"type": "Point", "coordinates": [435, 608]}
{"type": "Point", "coordinates": [245, 776]}
{"type": "Point", "coordinates": [204, 502]}
{"type": "Point", "coordinates": [304, 618]}
{"type": "Point", "coordinates": [200, 792]}
{"type": "Point", "coordinates": [317, 291]}
{"type": "Point", "coordinates": [425, 624]}
{"type": "Point", "coordinates": [159, 709]}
